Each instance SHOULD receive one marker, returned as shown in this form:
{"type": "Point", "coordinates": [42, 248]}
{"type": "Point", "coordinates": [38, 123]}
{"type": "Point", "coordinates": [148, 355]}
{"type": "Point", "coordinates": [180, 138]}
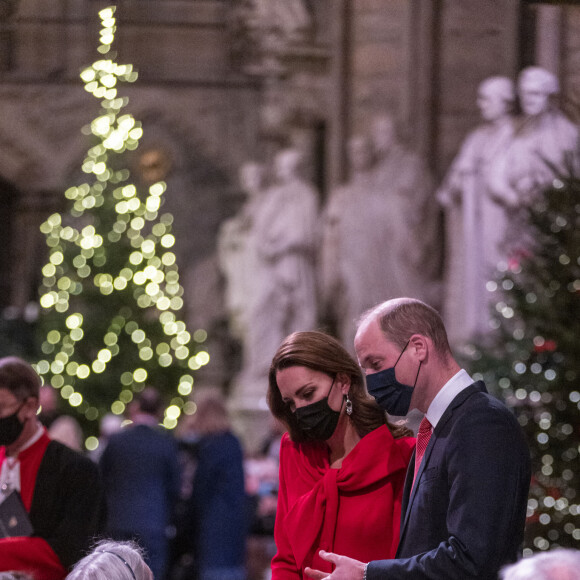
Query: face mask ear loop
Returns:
{"type": "Point", "coordinates": [404, 349]}
{"type": "Point", "coordinates": [418, 370]}
{"type": "Point", "coordinates": [330, 390]}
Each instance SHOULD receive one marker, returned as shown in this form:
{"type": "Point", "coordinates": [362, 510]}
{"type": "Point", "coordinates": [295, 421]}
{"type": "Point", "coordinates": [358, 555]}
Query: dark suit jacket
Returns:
{"type": "Point", "coordinates": [141, 478]}
{"type": "Point", "coordinates": [465, 516]}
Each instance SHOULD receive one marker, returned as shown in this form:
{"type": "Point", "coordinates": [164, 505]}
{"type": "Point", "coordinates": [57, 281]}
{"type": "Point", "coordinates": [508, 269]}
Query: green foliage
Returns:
{"type": "Point", "coordinates": [534, 360]}
{"type": "Point", "coordinates": [110, 295]}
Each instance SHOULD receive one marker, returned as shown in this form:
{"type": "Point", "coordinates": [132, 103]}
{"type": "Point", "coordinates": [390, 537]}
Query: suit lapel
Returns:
{"type": "Point", "coordinates": [409, 492]}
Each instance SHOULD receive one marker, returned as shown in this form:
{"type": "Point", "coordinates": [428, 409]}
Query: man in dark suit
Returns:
{"type": "Point", "coordinates": [141, 476]}
{"type": "Point", "coordinates": [464, 503]}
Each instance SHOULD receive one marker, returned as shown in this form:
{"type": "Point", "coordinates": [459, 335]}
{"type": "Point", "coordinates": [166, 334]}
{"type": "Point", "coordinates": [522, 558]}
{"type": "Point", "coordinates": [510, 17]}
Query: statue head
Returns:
{"type": "Point", "coordinates": [360, 153]}
{"type": "Point", "coordinates": [252, 175]}
{"type": "Point", "coordinates": [535, 87]}
{"type": "Point", "coordinates": [496, 97]}
{"type": "Point", "coordinates": [384, 134]}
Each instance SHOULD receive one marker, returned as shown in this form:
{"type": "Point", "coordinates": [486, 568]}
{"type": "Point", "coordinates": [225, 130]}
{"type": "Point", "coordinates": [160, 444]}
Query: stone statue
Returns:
{"type": "Point", "coordinates": [347, 268]}
{"type": "Point", "coordinates": [285, 239]}
{"type": "Point", "coordinates": [405, 222]}
{"type": "Point", "coordinates": [237, 252]}
{"type": "Point", "coordinates": [290, 18]}
{"type": "Point", "coordinates": [475, 221]}
{"type": "Point", "coordinates": [379, 231]}
{"type": "Point", "coordinates": [545, 142]}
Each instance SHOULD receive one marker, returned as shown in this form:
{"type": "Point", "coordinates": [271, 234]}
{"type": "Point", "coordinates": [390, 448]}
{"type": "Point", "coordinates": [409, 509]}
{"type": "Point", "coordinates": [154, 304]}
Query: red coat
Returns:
{"type": "Point", "coordinates": [354, 511]}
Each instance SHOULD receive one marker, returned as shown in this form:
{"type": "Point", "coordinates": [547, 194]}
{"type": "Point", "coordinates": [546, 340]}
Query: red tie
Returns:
{"type": "Point", "coordinates": [423, 437]}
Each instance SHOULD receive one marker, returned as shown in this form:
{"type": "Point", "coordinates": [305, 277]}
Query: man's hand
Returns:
{"type": "Point", "coordinates": [345, 568]}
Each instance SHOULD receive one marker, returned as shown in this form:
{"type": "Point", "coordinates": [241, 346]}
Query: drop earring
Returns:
{"type": "Point", "coordinates": [348, 406]}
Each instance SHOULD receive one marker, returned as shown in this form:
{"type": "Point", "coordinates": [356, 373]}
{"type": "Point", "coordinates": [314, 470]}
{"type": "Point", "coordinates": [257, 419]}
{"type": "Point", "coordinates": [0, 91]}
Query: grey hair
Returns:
{"type": "Point", "coordinates": [560, 564]}
{"type": "Point", "coordinates": [112, 560]}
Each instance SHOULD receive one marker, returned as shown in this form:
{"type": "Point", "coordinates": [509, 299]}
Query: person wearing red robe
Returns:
{"type": "Point", "coordinates": [60, 488]}
{"type": "Point", "coordinates": [342, 470]}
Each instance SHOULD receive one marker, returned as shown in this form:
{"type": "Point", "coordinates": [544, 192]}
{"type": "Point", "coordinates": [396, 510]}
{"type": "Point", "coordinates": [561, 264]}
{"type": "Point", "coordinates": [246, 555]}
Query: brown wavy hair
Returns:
{"type": "Point", "coordinates": [323, 353]}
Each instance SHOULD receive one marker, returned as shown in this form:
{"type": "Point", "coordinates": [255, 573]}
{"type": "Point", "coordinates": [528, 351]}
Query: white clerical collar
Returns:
{"type": "Point", "coordinates": [10, 470]}
{"type": "Point", "coordinates": [459, 381]}
{"type": "Point", "coordinates": [37, 435]}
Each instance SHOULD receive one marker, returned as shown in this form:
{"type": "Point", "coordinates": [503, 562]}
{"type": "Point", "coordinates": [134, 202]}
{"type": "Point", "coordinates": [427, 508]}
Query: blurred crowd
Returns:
{"type": "Point", "coordinates": [195, 503]}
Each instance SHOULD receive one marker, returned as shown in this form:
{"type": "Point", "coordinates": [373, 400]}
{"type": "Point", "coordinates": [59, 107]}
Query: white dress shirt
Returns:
{"type": "Point", "coordinates": [459, 381]}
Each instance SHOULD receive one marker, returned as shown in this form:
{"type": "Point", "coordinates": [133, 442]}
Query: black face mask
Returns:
{"type": "Point", "coordinates": [391, 395]}
{"type": "Point", "coordinates": [11, 427]}
{"type": "Point", "coordinates": [317, 421]}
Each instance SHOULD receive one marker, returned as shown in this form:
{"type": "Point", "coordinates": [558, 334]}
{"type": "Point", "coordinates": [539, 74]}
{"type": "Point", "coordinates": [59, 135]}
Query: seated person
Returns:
{"type": "Point", "coordinates": [60, 489]}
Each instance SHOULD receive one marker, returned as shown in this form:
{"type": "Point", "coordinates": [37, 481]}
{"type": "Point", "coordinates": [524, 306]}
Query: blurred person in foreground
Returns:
{"type": "Point", "coordinates": [466, 493]}
{"type": "Point", "coordinates": [141, 477]}
{"type": "Point", "coordinates": [558, 564]}
{"type": "Point", "coordinates": [341, 468]}
{"type": "Point", "coordinates": [60, 489]}
{"type": "Point", "coordinates": [110, 560]}
{"type": "Point", "coordinates": [216, 520]}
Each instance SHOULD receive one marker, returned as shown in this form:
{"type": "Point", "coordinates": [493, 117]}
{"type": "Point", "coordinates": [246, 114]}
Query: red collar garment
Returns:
{"type": "Point", "coordinates": [378, 461]}
{"type": "Point", "coordinates": [30, 459]}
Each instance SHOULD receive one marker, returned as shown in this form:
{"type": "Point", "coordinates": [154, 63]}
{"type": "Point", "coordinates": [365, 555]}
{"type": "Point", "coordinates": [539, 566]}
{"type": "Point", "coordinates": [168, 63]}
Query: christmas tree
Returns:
{"type": "Point", "coordinates": [111, 295]}
{"type": "Point", "coordinates": [534, 361]}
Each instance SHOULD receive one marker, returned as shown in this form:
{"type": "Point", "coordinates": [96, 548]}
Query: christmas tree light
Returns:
{"type": "Point", "coordinates": [534, 361]}
{"type": "Point", "coordinates": [110, 293]}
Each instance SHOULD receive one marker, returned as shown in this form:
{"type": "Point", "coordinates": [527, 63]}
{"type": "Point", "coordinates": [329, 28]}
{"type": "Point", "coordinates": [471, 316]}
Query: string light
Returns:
{"type": "Point", "coordinates": [532, 358]}
{"type": "Point", "coordinates": [110, 292]}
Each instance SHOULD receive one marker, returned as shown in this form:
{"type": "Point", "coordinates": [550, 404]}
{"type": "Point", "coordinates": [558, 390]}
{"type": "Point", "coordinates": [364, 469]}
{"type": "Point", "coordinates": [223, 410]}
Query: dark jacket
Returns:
{"type": "Point", "coordinates": [465, 516]}
{"type": "Point", "coordinates": [218, 503]}
{"type": "Point", "coordinates": [68, 506]}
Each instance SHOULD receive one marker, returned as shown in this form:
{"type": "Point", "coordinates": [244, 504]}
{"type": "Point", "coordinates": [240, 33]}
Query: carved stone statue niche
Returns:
{"type": "Point", "coordinates": [268, 253]}
{"type": "Point", "coordinates": [476, 222]}
{"type": "Point", "coordinates": [544, 141]}
{"type": "Point", "coordinates": [379, 231]}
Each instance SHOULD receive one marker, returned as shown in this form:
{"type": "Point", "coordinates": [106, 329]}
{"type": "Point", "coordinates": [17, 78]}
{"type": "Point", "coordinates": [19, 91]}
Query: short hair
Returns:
{"type": "Point", "coordinates": [19, 378]}
{"type": "Point", "coordinates": [323, 353]}
{"type": "Point", "coordinates": [112, 560]}
{"type": "Point", "coordinates": [400, 318]}
{"type": "Point", "coordinates": [547, 81]}
{"type": "Point", "coordinates": [561, 563]}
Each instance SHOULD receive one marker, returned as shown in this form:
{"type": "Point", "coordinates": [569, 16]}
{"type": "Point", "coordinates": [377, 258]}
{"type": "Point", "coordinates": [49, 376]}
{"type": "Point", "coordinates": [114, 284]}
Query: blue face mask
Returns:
{"type": "Point", "coordinates": [391, 395]}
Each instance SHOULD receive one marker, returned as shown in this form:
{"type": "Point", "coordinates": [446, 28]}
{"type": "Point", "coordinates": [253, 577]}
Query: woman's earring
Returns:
{"type": "Point", "coordinates": [348, 406]}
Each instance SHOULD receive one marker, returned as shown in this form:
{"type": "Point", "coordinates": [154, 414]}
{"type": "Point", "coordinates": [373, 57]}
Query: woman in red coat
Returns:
{"type": "Point", "coordinates": [342, 467]}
